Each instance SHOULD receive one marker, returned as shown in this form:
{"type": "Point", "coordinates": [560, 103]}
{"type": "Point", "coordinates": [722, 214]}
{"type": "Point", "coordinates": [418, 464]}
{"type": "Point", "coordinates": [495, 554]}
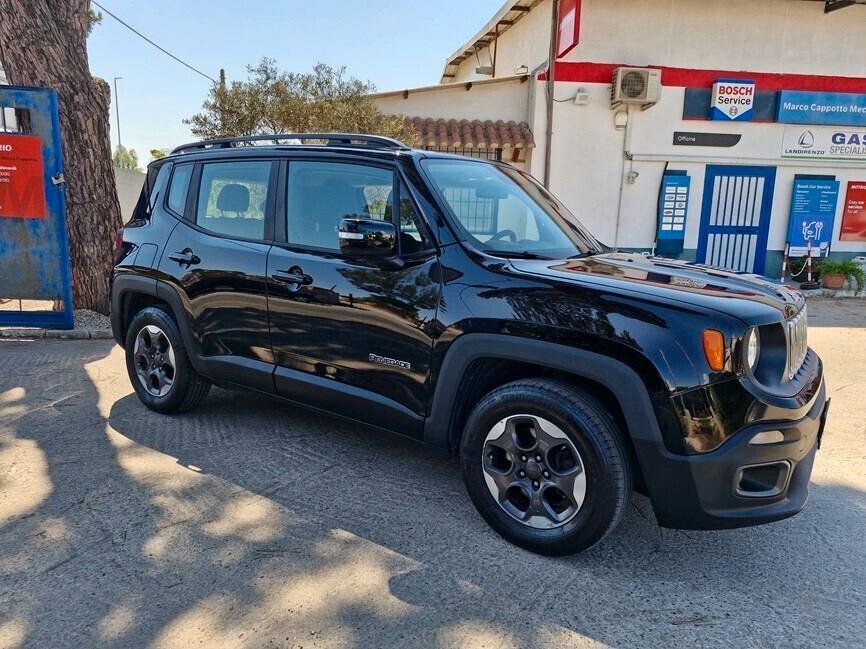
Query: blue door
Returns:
{"type": "Point", "coordinates": [735, 217]}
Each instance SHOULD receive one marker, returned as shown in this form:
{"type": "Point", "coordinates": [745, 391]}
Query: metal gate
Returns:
{"type": "Point", "coordinates": [735, 217]}
{"type": "Point", "coordinates": [35, 279]}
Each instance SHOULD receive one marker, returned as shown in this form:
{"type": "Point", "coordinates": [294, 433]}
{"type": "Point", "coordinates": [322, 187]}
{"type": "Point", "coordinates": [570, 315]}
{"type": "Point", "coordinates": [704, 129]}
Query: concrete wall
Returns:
{"type": "Point", "coordinates": [505, 100]}
{"type": "Point", "coordinates": [129, 184]}
{"type": "Point", "coordinates": [793, 36]}
{"type": "Point", "coordinates": [758, 35]}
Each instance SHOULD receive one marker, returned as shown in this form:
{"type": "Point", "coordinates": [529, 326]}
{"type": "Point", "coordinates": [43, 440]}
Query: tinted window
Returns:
{"type": "Point", "coordinates": [179, 185]}
{"type": "Point", "coordinates": [505, 212]}
{"type": "Point", "coordinates": [232, 198]}
{"type": "Point", "coordinates": [413, 234]}
{"type": "Point", "coordinates": [321, 194]}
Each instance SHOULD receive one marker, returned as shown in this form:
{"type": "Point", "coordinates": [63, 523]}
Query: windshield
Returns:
{"type": "Point", "coordinates": [505, 212]}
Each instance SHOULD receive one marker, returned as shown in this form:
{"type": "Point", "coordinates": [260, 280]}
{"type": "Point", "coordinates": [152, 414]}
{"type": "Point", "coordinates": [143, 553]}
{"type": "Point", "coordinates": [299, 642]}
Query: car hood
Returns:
{"type": "Point", "coordinates": [752, 298]}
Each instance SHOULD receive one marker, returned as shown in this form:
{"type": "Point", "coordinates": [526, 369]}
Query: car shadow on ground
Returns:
{"type": "Point", "coordinates": [456, 575]}
{"type": "Point", "coordinates": [255, 523]}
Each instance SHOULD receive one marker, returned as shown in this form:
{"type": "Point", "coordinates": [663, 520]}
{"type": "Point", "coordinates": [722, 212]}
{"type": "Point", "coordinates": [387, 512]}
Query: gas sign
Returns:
{"type": "Point", "coordinates": [732, 100]}
{"type": "Point", "coordinates": [22, 180]}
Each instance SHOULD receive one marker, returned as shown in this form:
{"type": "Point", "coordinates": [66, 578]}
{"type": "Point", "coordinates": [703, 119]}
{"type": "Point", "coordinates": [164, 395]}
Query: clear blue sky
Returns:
{"type": "Point", "coordinates": [393, 43]}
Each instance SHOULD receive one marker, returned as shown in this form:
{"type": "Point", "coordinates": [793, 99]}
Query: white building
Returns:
{"type": "Point", "coordinates": [608, 164]}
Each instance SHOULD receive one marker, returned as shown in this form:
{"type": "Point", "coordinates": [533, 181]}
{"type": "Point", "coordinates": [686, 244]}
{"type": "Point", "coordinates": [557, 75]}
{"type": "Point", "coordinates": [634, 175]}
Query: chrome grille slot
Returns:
{"type": "Point", "coordinates": [795, 332]}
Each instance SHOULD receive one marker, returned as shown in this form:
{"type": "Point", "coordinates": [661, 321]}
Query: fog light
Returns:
{"type": "Point", "coordinates": [768, 437]}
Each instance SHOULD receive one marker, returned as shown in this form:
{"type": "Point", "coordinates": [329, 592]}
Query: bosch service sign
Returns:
{"type": "Point", "coordinates": [22, 183]}
{"type": "Point", "coordinates": [733, 100]}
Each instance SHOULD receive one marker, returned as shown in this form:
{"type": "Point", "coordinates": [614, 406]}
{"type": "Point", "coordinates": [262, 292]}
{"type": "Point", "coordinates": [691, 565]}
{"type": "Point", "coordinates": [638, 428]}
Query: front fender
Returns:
{"type": "Point", "coordinates": [623, 382]}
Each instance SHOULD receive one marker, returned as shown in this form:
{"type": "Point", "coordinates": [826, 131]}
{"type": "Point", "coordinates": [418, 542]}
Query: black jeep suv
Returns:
{"type": "Point", "coordinates": [457, 302]}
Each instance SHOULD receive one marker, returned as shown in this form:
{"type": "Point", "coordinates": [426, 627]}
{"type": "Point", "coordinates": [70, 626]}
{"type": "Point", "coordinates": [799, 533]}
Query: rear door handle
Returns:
{"type": "Point", "coordinates": [185, 256]}
{"type": "Point", "coordinates": [292, 276]}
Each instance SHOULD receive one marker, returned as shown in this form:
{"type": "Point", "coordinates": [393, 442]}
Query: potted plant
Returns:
{"type": "Point", "coordinates": [835, 273]}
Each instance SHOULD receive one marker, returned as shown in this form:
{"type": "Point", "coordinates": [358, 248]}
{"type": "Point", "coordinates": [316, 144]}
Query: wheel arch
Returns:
{"type": "Point", "coordinates": [130, 294]}
{"type": "Point", "coordinates": [478, 363]}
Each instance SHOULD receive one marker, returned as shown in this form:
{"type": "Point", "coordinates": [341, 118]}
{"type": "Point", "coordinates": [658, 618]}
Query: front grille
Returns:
{"type": "Point", "coordinates": [795, 332]}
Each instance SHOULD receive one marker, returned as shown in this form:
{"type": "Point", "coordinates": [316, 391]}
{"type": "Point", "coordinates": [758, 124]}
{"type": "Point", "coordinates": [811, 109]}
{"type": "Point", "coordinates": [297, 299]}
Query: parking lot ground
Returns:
{"type": "Point", "coordinates": [248, 523]}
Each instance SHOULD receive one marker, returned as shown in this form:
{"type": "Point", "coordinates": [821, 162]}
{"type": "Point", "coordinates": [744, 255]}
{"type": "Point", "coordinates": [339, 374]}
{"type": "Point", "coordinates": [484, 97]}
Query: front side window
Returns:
{"type": "Point", "coordinates": [504, 212]}
{"type": "Point", "coordinates": [232, 198]}
{"type": "Point", "coordinates": [321, 194]}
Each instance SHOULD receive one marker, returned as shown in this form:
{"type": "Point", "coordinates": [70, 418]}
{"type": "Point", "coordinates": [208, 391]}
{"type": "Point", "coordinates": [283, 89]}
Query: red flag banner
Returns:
{"type": "Point", "coordinates": [22, 184]}
{"type": "Point", "coordinates": [569, 27]}
{"type": "Point", "coordinates": [854, 214]}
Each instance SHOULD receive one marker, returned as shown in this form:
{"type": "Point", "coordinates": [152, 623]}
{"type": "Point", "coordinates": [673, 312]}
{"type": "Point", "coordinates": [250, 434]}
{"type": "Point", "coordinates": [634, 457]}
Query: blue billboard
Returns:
{"type": "Point", "coordinates": [830, 108]}
{"type": "Point", "coordinates": [813, 211]}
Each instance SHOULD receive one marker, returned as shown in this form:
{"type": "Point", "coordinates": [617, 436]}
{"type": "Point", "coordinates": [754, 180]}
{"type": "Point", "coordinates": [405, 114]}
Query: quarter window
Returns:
{"type": "Point", "coordinates": [179, 186]}
{"type": "Point", "coordinates": [232, 198]}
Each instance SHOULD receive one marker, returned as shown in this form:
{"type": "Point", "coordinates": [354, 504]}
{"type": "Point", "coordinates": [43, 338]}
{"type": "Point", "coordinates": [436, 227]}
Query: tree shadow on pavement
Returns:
{"type": "Point", "coordinates": [250, 523]}
{"type": "Point", "coordinates": [363, 508]}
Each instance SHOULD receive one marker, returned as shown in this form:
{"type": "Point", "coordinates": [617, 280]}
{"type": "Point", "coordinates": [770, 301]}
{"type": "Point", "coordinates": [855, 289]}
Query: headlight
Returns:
{"type": "Point", "coordinates": [753, 348]}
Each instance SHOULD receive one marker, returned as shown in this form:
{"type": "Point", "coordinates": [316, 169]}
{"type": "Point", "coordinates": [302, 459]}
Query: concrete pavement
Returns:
{"type": "Point", "coordinates": [248, 523]}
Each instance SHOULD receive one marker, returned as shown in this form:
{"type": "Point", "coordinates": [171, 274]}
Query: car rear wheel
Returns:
{"type": "Point", "coordinates": [158, 365]}
{"type": "Point", "coordinates": [545, 465]}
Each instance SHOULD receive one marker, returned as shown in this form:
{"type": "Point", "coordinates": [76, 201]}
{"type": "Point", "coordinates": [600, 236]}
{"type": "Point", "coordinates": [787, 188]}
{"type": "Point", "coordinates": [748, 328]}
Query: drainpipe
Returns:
{"type": "Point", "coordinates": [626, 158]}
{"type": "Point", "coordinates": [551, 67]}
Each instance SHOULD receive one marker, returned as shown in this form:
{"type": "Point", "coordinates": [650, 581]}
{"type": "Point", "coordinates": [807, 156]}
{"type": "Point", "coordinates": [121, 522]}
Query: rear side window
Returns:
{"type": "Point", "coordinates": [232, 198]}
{"type": "Point", "coordinates": [179, 186]}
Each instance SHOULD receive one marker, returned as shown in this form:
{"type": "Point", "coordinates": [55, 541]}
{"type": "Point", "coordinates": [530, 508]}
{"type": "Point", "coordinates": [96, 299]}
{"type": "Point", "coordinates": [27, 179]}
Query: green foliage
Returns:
{"type": "Point", "coordinates": [849, 268]}
{"type": "Point", "coordinates": [125, 158]}
{"type": "Point", "coordinates": [272, 101]}
{"type": "Point", "coordinates": [93, 19]}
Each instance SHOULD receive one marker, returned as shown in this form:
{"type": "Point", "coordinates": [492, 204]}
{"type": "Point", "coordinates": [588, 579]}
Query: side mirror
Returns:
{"type": "Point", "coordinates": [367, 238]}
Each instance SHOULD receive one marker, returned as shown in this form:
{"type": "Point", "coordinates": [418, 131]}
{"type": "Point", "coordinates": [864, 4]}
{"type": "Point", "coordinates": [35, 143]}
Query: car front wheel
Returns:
{"type": "Point", "coordinates": [545, 465]}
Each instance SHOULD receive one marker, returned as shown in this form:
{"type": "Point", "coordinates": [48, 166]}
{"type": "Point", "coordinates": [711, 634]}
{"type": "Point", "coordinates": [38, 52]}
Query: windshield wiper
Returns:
{"type": "Point", "coordinates": [516, 254]}
{"type": "Point", "coordinates": [588, 253]}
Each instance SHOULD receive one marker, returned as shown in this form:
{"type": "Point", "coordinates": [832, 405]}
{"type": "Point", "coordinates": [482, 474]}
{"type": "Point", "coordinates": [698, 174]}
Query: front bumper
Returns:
{"type": "Point", "coordinates": [715, 490]}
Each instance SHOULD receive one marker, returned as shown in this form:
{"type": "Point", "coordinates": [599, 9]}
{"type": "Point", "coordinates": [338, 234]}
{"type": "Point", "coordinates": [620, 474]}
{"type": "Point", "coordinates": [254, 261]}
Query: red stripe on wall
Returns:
{"type": "Point", "coordinates": [693, 78]}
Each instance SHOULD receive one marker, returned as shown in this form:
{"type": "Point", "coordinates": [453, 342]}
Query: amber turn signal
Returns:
{"type": "Point", "coordinates": [714, 349]}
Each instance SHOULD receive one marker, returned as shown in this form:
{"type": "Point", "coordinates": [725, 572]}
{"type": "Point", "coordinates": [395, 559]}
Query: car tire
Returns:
{"type": "Point", "coordinates": [546, 466]}
{"type": "Point", "coordinates": [158, 364]}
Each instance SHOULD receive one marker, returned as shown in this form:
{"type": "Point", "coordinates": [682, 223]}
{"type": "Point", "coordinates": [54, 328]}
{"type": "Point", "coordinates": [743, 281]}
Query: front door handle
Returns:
{"type": "Point", "coordinates": [185, 256]}
{"type": "Point", "coordinates": [292, 276]}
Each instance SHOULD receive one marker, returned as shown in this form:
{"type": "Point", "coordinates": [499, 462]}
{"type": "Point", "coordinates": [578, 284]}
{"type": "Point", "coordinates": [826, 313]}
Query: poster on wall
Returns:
{"type": "Point", "coordinates": [22, 183]}
{"type": "Point", "coordinates": [672, 210]}
{"type": "Point", "coordinates": [813, 210]}
{"type": "Point", "coordinates": [854, 214]}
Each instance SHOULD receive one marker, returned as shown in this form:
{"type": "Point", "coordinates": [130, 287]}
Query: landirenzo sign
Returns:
{"type": "Point", "coordinates": [824, 144]}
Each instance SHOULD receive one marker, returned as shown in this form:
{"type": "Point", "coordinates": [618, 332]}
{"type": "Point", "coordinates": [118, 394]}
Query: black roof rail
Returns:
{"type": "Point", "coordinates": [332, 139]}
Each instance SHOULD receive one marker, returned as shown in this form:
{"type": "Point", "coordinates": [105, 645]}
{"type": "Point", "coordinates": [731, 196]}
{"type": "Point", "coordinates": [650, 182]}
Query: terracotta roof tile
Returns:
{"type": "Point", "coordinates": [471, 134]}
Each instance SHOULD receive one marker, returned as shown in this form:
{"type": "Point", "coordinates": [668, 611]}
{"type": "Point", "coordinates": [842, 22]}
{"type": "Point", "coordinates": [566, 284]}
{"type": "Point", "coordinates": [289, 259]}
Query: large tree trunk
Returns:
{"type": "Point", "coordinates": [44, 43]}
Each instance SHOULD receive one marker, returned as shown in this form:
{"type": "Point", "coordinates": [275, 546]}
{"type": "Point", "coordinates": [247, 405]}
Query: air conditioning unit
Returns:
{"type": "Point", "coordinates": [641, 86]}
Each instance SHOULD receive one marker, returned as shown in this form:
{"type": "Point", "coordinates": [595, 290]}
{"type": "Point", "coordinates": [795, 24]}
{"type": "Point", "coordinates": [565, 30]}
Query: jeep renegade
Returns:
{"type": "Point", "coordinates": [457, 302]}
